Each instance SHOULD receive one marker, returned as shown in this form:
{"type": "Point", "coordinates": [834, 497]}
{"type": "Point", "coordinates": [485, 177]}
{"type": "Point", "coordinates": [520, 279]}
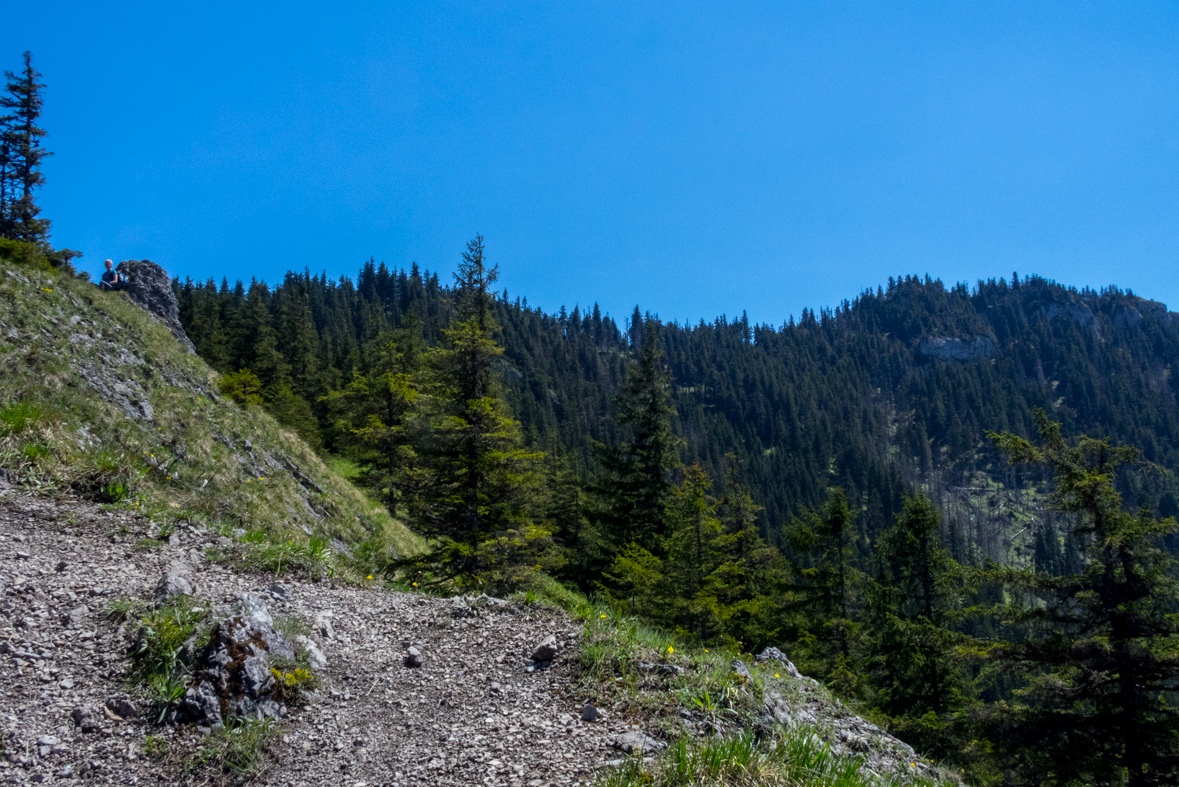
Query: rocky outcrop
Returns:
{"type": "Point", "coordinates": [1134, 311]}
{"type": "Point", "coordinates": [951, 348]}
{"type": "Point", "coordinates": [150, 286]}
{"type": "Point", "coordinates": [1077, 312]}
{"type": "Point", "coordinates": [800, 702]}
{"type": "Point", "coordinates": [235, 678]}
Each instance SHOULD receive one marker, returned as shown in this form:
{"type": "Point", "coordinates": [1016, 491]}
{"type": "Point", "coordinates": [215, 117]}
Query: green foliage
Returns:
{"type": "Point", "coordinates": [24, 253]}
{"type": "Point", "coordinates": [157, 658]}
{"type": "Point", "coordinates": [238, 749]}
{"type": "Point", "coordinates": [290, 687]}
{"type": "Point", "coordinates": [311, 557]}
{"type": "Point", "coordinates": [634, 487]}
{"type": "Point", "coordinates": [911, 607]}
{"type": "Point", "coordinates": [797, 757]}
{"type": "Point", "coordinates": [19, 416]}
{"type": "Point", "coordinates": [1099, 649]}
{"type": "Point", "coordinates": [242, 386]}
{"type": "Point", "coordinates": [828, 595]}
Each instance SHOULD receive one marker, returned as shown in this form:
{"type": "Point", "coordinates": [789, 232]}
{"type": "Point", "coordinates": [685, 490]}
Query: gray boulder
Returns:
{"type": "Point", "coordinates": [150, 286]}
{"type": "Point", "coordinates": [87, 719]}
{"type": "Point", "coordinates": [233, 671]}
{"type": "Point", "coordinates": [773, 655]}
{"type": "Point", "coordinates": [546, 651]}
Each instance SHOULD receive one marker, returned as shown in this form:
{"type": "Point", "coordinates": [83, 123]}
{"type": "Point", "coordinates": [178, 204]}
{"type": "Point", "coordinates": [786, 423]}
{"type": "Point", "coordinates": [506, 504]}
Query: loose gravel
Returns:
{"type": "Point", "coordinates": [471, 714]}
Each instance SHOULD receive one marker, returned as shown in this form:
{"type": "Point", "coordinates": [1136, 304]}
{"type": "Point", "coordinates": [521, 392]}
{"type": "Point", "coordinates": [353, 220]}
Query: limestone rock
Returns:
{"type": "Point", "coordinates": [172, 584]}
{"type": "Point", "coordinates": [637, 743]}
{"type": "Point", "coordinates": [315, 655]}
{"type": "Point", "coordinates": [951, 348]}
{"type": "Point", "coordinates": [774, 655]}
{"type": "Point", "coordinates": [149, 286]}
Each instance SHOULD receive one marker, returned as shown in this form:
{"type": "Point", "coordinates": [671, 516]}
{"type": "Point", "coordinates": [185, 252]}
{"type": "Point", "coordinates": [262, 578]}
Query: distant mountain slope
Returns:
{"type": "Point", "coordinates": [98, 397]}
{"type": "Point", "coordinates": [893, 389]}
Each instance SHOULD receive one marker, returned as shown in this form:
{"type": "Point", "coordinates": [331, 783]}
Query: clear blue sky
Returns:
{"type": "Point", "coordinates": [696, 159]}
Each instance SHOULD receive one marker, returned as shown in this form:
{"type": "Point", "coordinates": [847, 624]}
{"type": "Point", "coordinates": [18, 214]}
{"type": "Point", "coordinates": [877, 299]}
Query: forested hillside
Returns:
{"type": "Point", "coordinates": [894, 389]}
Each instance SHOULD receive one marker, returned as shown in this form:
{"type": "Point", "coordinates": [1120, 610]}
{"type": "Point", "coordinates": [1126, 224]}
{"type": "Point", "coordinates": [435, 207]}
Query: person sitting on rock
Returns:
{"type": "Point", "coordinates": [111, 278]}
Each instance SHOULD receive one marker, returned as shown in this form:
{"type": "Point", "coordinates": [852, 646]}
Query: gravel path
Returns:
{"type": "Point", "coordinates": [471, 714]}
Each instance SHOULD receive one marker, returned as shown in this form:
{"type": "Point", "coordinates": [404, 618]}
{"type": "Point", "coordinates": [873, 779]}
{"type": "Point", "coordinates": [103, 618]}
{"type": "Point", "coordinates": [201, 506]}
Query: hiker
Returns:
{"type": "Point", "coordinates": [111, 278]}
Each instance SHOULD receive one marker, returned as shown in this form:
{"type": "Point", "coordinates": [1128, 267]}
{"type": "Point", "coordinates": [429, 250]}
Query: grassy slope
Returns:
{"type": "Point", "coordinates": [98, 397]}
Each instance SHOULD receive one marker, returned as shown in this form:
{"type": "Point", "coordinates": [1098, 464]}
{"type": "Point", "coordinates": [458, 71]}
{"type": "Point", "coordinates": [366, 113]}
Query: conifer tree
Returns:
{"type": "Point", "coordinates": [635, 485]}
{"type": "Point", "coordinates": [478, 494]}
{"type": "Point", "coordinates": [739, 593]}
{"type": "Point", "coordinates": [910, 608]}
{"type": "Point", "coordinates": [21, 154]}
{"type": "Point", "coordinates": [1101, 651]}
{"type": "Point", "coordinates": [828, 593]}
{"type": "Point", "coordinates": [375, 420]}
{"type": "Point", "coordinates": [692, 553]}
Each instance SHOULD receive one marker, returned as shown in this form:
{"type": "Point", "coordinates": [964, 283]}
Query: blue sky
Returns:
{"type": "Point", "coordinates": [696, 159]}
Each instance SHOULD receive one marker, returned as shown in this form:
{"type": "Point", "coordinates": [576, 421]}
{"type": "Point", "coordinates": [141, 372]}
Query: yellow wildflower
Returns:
{"type": "Point", "coordinates": [602, 616]}
{"type": "Point", "coordinates": [370, 576]}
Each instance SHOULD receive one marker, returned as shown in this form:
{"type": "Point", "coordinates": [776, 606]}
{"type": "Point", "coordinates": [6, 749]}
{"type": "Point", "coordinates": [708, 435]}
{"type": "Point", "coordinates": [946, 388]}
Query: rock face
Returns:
{"type": "Point", "coordinates": [950, 348]}
{"type": "Point", "coordinates": [150, 286]}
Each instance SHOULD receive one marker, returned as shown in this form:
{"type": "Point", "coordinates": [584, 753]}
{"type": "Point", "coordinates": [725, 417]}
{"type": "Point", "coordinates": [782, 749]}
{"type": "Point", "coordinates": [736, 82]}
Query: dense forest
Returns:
{"type": "Point", "coordinates": [882, 395]}
{"type": "Point", "coordinates": [899, 489]}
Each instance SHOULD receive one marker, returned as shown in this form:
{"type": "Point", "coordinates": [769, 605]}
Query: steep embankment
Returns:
{"type": "Point", "coordinates": [98, 397]}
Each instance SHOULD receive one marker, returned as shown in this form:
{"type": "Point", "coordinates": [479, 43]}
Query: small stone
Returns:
{"type": "Point", "coordinates": [87, 719]}
{"type": "Point", "coordinates": [279, 592]}
{"type": "Point", "coordinates": [75, 617]}
{"type": "Point", "coordinates": [60, 567]}
{"type": "Point", "coordinates": [122, 707]}
{"type": "Point", "coordinates": [589, 713]}
{"type": "Point", "coordinates": [637, 743]}
{"type": "Point", "coordinates": [48, 740]}
{"type": "Point", "coordinates": [23, 556]}
{"type": "Point", "coordinates": [545, 651]}
{"type": "Point", "coordinates": [323, 624]}
{"type": "Point", "coordinates": [413, 657]}
{"type": "Point", "coordinates": [171, 585]}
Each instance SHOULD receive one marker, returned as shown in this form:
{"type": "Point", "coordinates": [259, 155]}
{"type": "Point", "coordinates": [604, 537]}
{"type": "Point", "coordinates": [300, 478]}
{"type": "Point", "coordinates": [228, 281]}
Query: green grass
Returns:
{"type": "Point", "coordinates": [188, 462]}
{"type": "Point", "coordinates": [720, 702]}
{"type": "Point", "coordinates": [157, 658]}
{"type": "Point", "coordinates": [237, 750]}
{"type": "Point", "coordinates": [793, 759]}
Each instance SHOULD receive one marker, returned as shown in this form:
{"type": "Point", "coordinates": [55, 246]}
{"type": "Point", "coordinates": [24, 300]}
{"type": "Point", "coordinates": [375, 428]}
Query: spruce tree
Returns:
{"type": "Point", "coordinates": [910, 608]}
{"type": "Point", "coordinates": [478, 491]}
{"type": "Point", "coordinates": [20, 139]}
{"type": "Point", "coordinates": [692, 556]}
{"type": "Point", "coordinates": [740, 592]}
{"type": "Point", "coordinates": [828, 592]}
{"type": "Point", "coordinates": [635, 486]}
{"type": "Point", "coordinates": [1100, 654]}
{"type": "Point", "coordinates": [375, 421]}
